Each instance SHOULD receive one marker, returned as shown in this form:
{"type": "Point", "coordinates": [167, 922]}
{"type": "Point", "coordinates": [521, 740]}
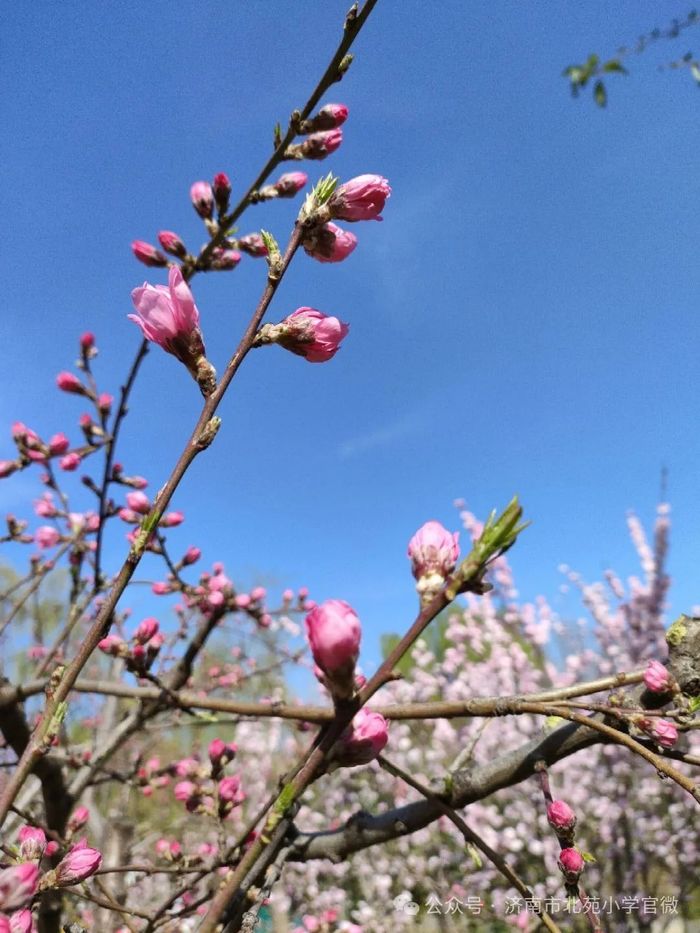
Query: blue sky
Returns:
{"type": "Point", "coordinates": [524, 320]}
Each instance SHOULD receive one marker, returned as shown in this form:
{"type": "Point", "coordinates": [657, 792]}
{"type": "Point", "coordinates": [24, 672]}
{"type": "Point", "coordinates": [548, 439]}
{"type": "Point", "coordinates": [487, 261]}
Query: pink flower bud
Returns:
{"type": "Point", "coordinates": [32, 842]}
{"type": "Point", "coordinates": [129, 516]}
{"type": "Point", "coordinates": [170, 318]}
{"type": "Point", "coordinates": [17, 884]}
{"type": "Point", "coordinates": [172, 243]}
{"type": "Point", "coordinates": [560, 816]}
{"type": "Point", "coordinates": [148, 254]}
{"type": "Point", "coordinates": [319, 145]}
{"type": "Point", "coordinates": [361, 198]}
{"type": "Point", "coordinates": [243, 600]}
{"type": "Point", "coordinates": [202, 198]}
{"type": "Point", "coordinates": [656, 678]}
{"type": "Point", "coordinates": [70, 462]}
{"type": "Point", "coordinates": [258, 593]}
{"type": "Point", "coordinates": [223, 259]}
{"type": "Point", "coordinates": [661, 730]}
{"type": "Point", "coordinates": [87, 340]}
{"type": "Point", "coordinates": [329, 243]}
{"type": "Point", "coordinates": [51, 849]}
{"type": "Point", "coordinates": [433, 550]}
{"type": "Point", "coordinates": [78, 865]}
{"type": "Point", "coordinates": [571, 864]}
{"type": "Point", "coordinates": [288, 596]}
{"type": "Point", "coordinates": [185, 790]}
{"type": "Point", "coordinates": [138, 502]}
{"type": "Point", "coordinates": [230, 790]}
{"type": "Point", "coordinates": [45, 506]}
{"type": "Point", "coordinates": [172, 519]}
{"type": "Point", "coordinates": [334, 632]}
{"type": "Point", "coordinates": [329, 117]}
{"type": "Point", "coordinates": [222, 191]}
{"type": "Point", "coordinates": [80, 815]}
{"type": "Point", "coordinates": [104, 402]}
{"type": "Point", "coordinates": [191, 556]}
{"type": "Point", "coordinates": [67, 382]}
{"type": "Point", "coordinates": [252, 244]}
{"type": "Point", "coordinates": [312, 334]}
{"type": "Point", "coordinates": [7, 468]}
{"type": "Point", "coordinates": [21, 922]}
{"type": "Point", "coordinates": [46, 537]}
{"type": "Point", "coordinates": [288, 184]}
{"type": "Point", "coordinates": [114, 646]}
{"type": "Point", "coordinates": [362, 741]}
{"type": "Point", "coordinates": [161, 588]}
{"type": "Point", "coordinates": [146, 630]}
{"type": "Point", "coordinates": [58, 444]}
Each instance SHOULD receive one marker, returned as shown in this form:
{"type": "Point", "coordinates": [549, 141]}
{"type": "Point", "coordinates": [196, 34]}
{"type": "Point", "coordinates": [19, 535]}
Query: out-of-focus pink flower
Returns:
{"type": "Point", "coordinates": [223, 259]}
{"type": "Point", "coordinates": [230, 790]}
{"type": "Point", "coordinates": [571, 864]}
{"type": "Point", "coordinates": [87, 340]}
{"type": "Point", "coordinates": [172, 519]}
{"type": "Point", "coordinates": [662, 731]}
{"type": "Point", "coordinates": [311, 334]}
{"type": "Point", "coordinates": [79, 817]}
{"type": "Point", "coordinates": [362, 741]}
{"type": "Point", "coordinates": [161, 588]}
{"type": "Point", "coordinates": [172, 243]}
{"type": "Point", "coordinates": [310, 923]}
{"type": "Point", "coordinates": [170, 318]}
{"type": "Point", "coordinates": [68, 382]}
{"type": "Point", "coordinates": [58, 444]}
{"type": "Point", "coordinates": [146, 630]}
{"type": "Point", "coordinates": [138, 502]}
{"type": "Point", "coordinates": [252, 244]}
{"type": "Point", "coordinates": [187, 767]}
{"type": "Point", "coordinates": [657, 678]}
{"type": "Point", "coordinates": [221, 752]}
{"type": "Point", "coordinates": [129, 516]}
{"type": "Point", "coordinates": [290, 183]}
{"type": "Point", "coordinates": [319, 145]}
{"type": "Point", "coordinates": [32, 842]}
{"type": "Point", "coordinates": [45, 506]}
{"type": "Point", "coordinates": [185, 790]}
{"type": "Point", "coordinates": [202, 197]}
{"type": "Point", "coordinates": [333, 631]}
{"type": "Point", "coordinates": [222, 191]}
{"type": "Point", "coordinates": [329, 243]}
{"type": "Point", "coordinates": [17, 884]}
{"type": "Point", "coordinates": [433, 550]}
{"type": "Point", "coordinates": [191, 556]}
{"type": "Point", "coordinates": [148, 254]}
{"type": "Point", "coordinates": [79, 864]}
{"type": "Point", "coordinates": [560, 816]}
{"type": "Point", "coordinates": [288, 596]}
{"type": "Point", "coordinates": [46, 536]}
{"type": "Point", "coordinates": [361, 198]}
{"type": "Point", "coordinates": [7, 468]}
{"type": "Point", "coordinates": [70, 462]}
{"type": "Point", "coordinates": [104, 402]}
{"type": "Point", "coordinates": [258, 593]}
{"type": "Point", "coordinates": [21, 922]}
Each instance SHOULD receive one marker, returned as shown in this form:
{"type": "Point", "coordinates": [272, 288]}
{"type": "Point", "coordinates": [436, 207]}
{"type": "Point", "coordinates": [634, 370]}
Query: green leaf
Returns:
{"type": "Point", "coordinates": [599, 94]}
{"type": "Point", "coordinates": [694, 704]}
{"type": "Point", "coordinates": [614, 65]}
{"type": "Point", "coordinates": [695, 72]}
{"type": "Point", "coordinates": [587, 857]}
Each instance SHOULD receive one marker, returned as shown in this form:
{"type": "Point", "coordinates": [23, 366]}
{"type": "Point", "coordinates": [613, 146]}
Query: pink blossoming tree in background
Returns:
{"type": "Point", "coordinates": [166, 777]}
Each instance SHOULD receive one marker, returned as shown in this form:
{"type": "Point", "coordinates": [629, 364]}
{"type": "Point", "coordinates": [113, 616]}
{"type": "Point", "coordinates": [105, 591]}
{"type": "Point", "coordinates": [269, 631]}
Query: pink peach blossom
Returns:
{"type": "Point", "coordinates": [202, 197]}
{"type": "Point", "coordinates": [148, 254]}
{"type": "Point", "coordinates": [361, 198]}
{"type": "Point", "coordinates": [312, 334]}
{"type": "Point", "coordinates": [172, 243]}
{"type": "Point", "coordinates": [362, 741]}
{"type": "Point", "coordinates": [46, 537]}
{"type": "Point", "coordinates": [68, 382]}
{"type": "Point", "coordinates": [329, 243]}
{"type": "Point", "coordinates": [79, 864]}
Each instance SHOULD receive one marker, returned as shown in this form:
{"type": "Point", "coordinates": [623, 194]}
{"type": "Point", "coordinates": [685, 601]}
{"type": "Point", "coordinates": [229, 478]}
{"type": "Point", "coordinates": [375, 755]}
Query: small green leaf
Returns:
{"type": "Point", "coordinates": [694, 704]}
{"type": "Point", "coordinates": [599, 94]}
{"type": "Point", "coordinates": [587, 857]}
{"type": "Point", "coordinates": [695, 72]}
{"type": "Point", "coordinates": [614, 65]}
{"type": "Point", "coordinates": [475, 857]}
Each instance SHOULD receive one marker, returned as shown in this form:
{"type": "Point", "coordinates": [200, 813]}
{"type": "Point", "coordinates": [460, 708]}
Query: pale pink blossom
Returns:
{"type": "Point", "coordinates": [329, 243]}
{"type": "Point", "coordinates": [21, 922]}
{"type": "Point", "coordinates": [361, 198]}
{"type": "Point", "coordinates": [32, 842]}
{"type": "Point", "coordinates": [172, 519]}
{"type": "Point", "coordinates": [312, 334]}
{"type": "Point", "coordinates": [148, 254]}
{"type": "Point", "coordinates": [104, 402]}
{"type": "Point", "coordinates": [169, 317]}
{"type": "Point", "coordinates": [662, 730]}
{"type": "Point", "coordinates": [45, 506]}
{"type": "Point", "coordinates": [329, 117]}
{"type": "Point", "coordinates": [78, 819]}
{"type": "Point", "coordinates": [46, 537]}
{"type": "Point", "coordinates": [138, 502]}
{"type": "Point", "coordinates": [17, 884]}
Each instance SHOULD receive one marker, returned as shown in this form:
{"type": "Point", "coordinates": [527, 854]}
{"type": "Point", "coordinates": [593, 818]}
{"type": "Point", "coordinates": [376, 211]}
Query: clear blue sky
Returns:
{"type": "Point", "coordinates": [525, 319]}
